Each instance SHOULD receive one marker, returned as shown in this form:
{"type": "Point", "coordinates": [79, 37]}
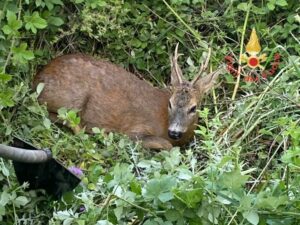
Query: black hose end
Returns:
{"type": "Point", "coordinates": [48, 153]}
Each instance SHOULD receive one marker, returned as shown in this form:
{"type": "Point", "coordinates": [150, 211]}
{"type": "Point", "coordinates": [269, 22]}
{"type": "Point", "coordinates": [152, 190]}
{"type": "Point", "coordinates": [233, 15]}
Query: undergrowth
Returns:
{"type": "Point", "coordinates": [242, 166]}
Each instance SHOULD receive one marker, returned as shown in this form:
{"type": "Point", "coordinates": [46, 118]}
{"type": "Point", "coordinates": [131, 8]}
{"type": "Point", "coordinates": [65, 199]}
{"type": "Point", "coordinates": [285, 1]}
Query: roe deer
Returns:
{"type": "Point", "coordinates": [109, 97]}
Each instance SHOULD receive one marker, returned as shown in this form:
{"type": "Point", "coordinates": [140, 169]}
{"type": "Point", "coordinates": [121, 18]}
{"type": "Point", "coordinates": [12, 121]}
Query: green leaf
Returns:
{"type": "Point", "coordinates": [172, 215]}
{"type": "Point", "coordinates": [136, 187]}
{"type": "Point", "coordinates": [164, 197]}
{"type": "Point", "coordinates": [270, 202]}
{"type": "Point", "coordinates": [281, 2]}
{"type": "Point", "coordinates": [4, 78]}
{"type": "Point", "coordinates": [243, 6]}
{"type": "Point", "coordinates": [189, 197]}
{"type": "Point", "coordinates": [118, 212]}
{"type": "Point", "coordinates": [56, 21]}
{"type": "Point", "coordinates": [34, 22]}
{"type": "Point", "coordinates": [62, 112]}
{"type": "Point", "coordinates": [252, 217]}
{"type": "Point", "coordinates": [136, 42]}
{"type": "Point", "coordinates": [180, 1]}
{"type": "Point", "coordinates": [173, 159]}
{"type": "Point", "coordinates": [2, 211]}
{"type": "Point", "coordinates": [122, 175]}
{"type": "Point", "coordinates": [246, 203]}
{"type": "Point", "coordinates": [13, 25]}
{"type": "Point", "coordinates": [96, 130]}
{"type": "Point", "coordinates": [11, 17]}
{"type": "Point", "coordinates": [50, 3]}
{"type": "Point", "coordinates": [233, 180]}
{"type": "Point", "coordinates": [40, 88]}
{"type": "Point", "coordinates": [291, 157]}
{"type": "Point", "coordinates": [91, 186]}
{"type": "Point", "coordinates": [57, 2]}
{"type": "Point", "coordinates": [103, 222]}
{"type": "Point", "coordinates": [6, 99]}
{"type": "Point", "coordinates": [160, 188]}
{"type": "Point", "coordinates": [68, 221]}
{"type": "Point", "coordinates": [21, 201]}
{"type": "Point", "coordinates": [47, 123]}
{"type": "Point", "coordinates": [21, 55]}
{"type": "Point", "coordinates": [97, 3]}
{"type": "Point", "coordinates": [80, 222]}
{"type": "Point", "coordinates": [72, 115]}
{"type": "Point", "coordinates": [4, 198]}
{"type": "Point", "coordinates": [270, 6]}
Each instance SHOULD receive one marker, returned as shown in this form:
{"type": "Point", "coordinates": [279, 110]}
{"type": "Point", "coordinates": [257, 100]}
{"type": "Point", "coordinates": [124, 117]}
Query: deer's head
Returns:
{"type": "Point", "coordinates": [186, 96]}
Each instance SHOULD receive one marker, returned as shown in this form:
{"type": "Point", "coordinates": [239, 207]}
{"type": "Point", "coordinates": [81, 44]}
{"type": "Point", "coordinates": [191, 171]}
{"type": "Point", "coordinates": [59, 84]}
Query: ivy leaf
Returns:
{"type": "Point", "coordinates": [13, 25]}
{"type": "Point", "coordinates": [21, 55]}
{"type": "Point", "coordinates": [34, 22]}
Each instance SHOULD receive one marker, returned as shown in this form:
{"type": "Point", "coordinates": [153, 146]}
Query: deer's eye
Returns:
{"type": "Point", "coordinates": [193, 109]}
{"type": "Point", "coordinates": [170, 105]}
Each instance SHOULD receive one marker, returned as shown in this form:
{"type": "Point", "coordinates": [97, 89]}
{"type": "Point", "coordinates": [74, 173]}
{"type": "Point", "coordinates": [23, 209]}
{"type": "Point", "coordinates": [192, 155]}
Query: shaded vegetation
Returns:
{"type": "Point", "coordinates": [241, 168]}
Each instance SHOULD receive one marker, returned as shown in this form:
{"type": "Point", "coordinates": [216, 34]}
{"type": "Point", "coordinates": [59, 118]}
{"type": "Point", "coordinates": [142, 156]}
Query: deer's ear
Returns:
{"type": "Point", "coordinates": [204, 84]}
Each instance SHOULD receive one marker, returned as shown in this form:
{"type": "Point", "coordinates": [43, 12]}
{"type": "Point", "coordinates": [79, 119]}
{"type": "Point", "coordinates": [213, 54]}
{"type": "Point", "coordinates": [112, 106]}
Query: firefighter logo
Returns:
{"type": "Point", "coordinates": [253, 61]}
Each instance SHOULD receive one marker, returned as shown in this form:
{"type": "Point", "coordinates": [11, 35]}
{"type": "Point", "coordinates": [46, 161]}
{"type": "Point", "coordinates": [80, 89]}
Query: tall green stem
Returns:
{"type": "Point", "coordinates": [241, 51]}
{"type": "Point", "coordinates": [12, 41]}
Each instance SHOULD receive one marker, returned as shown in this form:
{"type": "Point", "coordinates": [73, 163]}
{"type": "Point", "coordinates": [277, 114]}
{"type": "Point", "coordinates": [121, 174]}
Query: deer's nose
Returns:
{"type": "Point", "coordinates": [175, 134]}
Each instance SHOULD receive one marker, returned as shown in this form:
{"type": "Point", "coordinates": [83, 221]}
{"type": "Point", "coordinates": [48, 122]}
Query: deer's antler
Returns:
{"type": "Point", "coordinates": [203, 67]}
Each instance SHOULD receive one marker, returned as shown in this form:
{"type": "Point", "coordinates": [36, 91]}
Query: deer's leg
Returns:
{"type": "Point", "coordinates": [154, 142]}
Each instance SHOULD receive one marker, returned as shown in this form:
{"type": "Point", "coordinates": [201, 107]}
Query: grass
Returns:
{"type": "Point", "coordinates": [241, 168]}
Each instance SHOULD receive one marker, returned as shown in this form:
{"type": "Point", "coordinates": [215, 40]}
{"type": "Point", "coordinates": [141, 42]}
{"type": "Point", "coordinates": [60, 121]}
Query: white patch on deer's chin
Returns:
{"type": "Point", "coordinates": [176, 128]}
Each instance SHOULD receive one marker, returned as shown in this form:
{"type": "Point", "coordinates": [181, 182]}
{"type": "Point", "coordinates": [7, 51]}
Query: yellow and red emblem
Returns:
{"type": "Point", "coordinates": [253, 48]}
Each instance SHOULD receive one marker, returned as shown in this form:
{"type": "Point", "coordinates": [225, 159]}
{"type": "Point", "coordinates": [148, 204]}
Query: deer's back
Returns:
{"type": "Point", "coordinates": [107, 95]}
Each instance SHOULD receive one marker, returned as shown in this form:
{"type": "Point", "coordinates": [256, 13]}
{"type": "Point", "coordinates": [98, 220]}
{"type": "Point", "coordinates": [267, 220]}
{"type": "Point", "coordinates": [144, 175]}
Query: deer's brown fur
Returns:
{"type": "Point", "coordinates": [109, 97]}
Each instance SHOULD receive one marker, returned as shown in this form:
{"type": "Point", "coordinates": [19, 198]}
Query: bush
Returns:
{"type": "Point", "coordinates": [242, 167]}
